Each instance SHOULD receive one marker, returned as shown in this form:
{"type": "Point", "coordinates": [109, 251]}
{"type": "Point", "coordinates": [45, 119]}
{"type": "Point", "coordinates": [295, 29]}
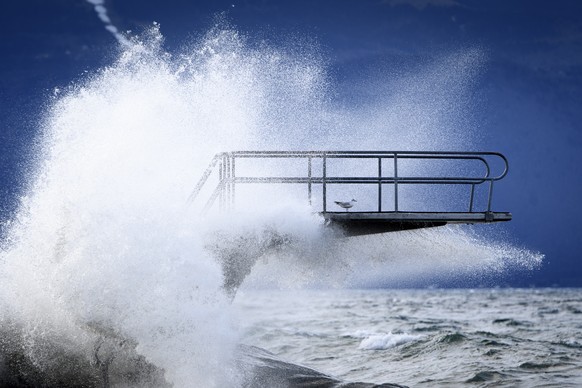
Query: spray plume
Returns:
{"type": "Point", "coordinates": [104, 261]}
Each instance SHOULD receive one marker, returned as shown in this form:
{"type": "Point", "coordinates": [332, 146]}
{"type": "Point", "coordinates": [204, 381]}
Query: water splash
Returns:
{"type": "Point", "coordinates": [105, 262]}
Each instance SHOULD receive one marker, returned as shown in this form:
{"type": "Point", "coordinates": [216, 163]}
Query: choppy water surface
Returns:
{"type": "Point", "coordinates": [498, 337]}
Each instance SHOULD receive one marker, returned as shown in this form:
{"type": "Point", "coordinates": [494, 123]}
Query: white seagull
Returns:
{"type": "Point", "coordinates": [346, 205]}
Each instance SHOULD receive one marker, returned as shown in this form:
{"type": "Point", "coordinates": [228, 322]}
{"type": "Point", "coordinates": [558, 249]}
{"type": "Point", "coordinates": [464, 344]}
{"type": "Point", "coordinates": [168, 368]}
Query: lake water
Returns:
{"type": "Point", "coordinates": [485, 337]}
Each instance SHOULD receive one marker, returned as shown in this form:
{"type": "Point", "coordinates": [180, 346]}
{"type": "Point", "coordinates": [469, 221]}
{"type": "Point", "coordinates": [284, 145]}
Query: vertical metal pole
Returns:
{"type": "Point", "coordinates": [225, 182]}
{"type": "Point", "coordinates": [472, 197]}
{"type": "Point", "coordinates": [220, 182]}
{"type": "Point", "coordinates": [233, 181]}
{"type": "Point", "coordinates": [395, 182]}
{"type": "Point", "coordinates": [490, 195]}
{"type": "Point", "coordinates": [324, 189]}
{"type": "Point", "coordinates": [379, 184]}
{"type": "Point", "coordinates": [231, 177]}
{"type": "Point", "coordinates": [309, 179]}
{"type": "Point", "coordinates": [227, 176]}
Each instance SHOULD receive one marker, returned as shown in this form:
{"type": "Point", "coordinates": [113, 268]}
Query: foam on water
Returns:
{"type": "Point", "coordinates": [387, 341]}
{"type": "Point", "coordinates": [382, 341]}
{"type": "Point", "coordinates": [104, 244]}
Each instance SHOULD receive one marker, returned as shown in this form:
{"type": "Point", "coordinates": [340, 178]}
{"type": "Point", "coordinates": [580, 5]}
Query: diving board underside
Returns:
{"type": "Point", "coordinates": [360, 223]}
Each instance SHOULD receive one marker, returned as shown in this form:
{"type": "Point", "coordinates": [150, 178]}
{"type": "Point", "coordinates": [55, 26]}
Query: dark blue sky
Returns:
{"type": "Point", "coordinates": [531, 88]}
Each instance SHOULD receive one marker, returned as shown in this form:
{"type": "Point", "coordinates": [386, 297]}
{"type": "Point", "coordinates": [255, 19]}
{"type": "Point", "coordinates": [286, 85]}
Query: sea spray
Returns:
{"type": "Point", "coordinates": [431, 106]}
{"type": "Point", "coordinates": [105, 261]}
{"type": "Point", "coordinates": [402, 259]}
{"type": "Point", "coordinates": [106, 267]}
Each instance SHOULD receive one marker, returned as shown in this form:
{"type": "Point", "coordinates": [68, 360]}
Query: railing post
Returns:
{"type": "Point", "coordinates": [220, 183]}
{"type": "Point", "coordinates": [490, 196]}
{"type": "Point", "coordinates": [324, 188]}
{"type": "Point", "coordinates": [228, 192]}
{"type": "Point", "coordinates": [379, 184]}
{"type": "Point", "coordinates": [395, 182]}
{"type": "Point", "coordinates": [232, 165]}
{"type": "Point", "coordinates": [309, 179]}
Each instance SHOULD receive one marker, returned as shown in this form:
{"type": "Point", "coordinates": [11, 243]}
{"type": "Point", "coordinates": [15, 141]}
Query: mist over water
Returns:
{"type": "Point", "coordinates": [106, 254]}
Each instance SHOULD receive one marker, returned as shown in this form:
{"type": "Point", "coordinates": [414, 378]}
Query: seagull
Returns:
{"type": "Point", "coordinates": [346, 205]}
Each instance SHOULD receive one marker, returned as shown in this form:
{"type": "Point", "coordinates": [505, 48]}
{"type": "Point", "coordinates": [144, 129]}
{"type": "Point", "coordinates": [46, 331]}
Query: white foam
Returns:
{"type": "Point", "coordinates": [387, 341]}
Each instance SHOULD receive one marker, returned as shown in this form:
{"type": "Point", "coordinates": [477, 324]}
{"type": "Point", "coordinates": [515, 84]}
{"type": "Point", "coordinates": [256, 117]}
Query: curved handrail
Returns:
{"type": "Point", "coordinates": [385, 154]}
{"type": "Point", "coordinates": [227, 177]}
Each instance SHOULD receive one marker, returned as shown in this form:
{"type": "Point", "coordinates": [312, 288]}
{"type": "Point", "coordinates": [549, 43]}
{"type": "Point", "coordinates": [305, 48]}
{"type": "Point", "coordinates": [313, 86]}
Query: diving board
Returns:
{"type": "Point", "coordinates": [388, 173]}
{"type": "Point", "coordinates": [359, 223]}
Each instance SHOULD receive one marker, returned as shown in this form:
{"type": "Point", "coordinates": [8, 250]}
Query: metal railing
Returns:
{"type": "Point", "coordinates": [225, 164]}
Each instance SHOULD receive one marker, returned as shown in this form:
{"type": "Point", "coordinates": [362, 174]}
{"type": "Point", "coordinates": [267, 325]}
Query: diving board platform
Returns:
{"type": "Point", "coordinates": [400, 190]}
{"type": "Point", "coordinates": [359, 223]}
